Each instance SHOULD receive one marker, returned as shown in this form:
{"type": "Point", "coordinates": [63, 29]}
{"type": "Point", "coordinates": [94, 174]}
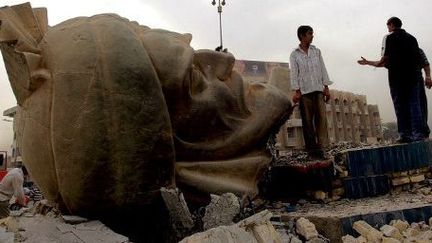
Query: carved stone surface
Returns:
{"type": "Point", "coordinates": [110, 110]}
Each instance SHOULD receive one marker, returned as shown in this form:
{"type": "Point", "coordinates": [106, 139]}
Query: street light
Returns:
{"type": "Point", "coordinates": [219, 8]}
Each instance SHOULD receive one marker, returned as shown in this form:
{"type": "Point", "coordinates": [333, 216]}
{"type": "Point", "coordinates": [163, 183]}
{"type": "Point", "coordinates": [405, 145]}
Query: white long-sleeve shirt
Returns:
{"type": "Point", "coordinates": [12, 185]}
{"type": "Point", "coordinates": [308, 72]}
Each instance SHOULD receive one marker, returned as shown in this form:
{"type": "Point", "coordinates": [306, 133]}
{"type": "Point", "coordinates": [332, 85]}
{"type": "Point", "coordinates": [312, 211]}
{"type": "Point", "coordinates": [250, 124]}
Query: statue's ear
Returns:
{"type": "Point", "coordinates": [21, 30]}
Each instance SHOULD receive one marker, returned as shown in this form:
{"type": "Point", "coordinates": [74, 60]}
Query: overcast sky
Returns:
{"type": "Point", "coordinates": [266, 30]}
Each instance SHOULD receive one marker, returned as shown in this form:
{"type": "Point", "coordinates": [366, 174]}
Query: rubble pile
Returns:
{"type": "Point", "coordinates": [254, 229]}
{"type": "Point", "coordinates": [395, 232]}
{"type": "Point", "coordinates": [300, 157]}
{"type": "Point", "coordinates": [43, 223]}
{"type": "Point", "coordinates": [298, 231]}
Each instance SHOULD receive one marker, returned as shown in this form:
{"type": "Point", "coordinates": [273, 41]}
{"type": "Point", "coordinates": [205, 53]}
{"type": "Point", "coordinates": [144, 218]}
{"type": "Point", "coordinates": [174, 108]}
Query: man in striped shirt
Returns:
{"type": "Point", "coordinates": [310, 81]}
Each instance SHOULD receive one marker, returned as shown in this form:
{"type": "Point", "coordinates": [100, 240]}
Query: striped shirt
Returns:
{"type": "Point", "coordinates": [308, 72]}
{"type": "Point", "coordinates": [424, 61]}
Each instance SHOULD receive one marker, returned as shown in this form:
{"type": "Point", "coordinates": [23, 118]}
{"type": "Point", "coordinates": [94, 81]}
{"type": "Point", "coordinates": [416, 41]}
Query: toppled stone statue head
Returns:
{"type": "Point", "coordinates": [110, 111]}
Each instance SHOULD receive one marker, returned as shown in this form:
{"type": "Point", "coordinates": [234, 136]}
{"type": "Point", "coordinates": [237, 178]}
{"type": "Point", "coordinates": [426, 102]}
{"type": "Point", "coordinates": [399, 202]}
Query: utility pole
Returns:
{"type": "Point", "coordinates": [219, 8]}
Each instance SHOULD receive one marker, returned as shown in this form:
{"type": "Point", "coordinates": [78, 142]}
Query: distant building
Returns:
{"type": "Point", "coordinates": [15, 159]}
{"type": "Point", "coordinates": [349, 117]}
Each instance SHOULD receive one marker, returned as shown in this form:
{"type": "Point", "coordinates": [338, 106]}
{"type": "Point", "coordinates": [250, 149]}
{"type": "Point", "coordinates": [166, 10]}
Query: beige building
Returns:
{"type": "Point", "coordinates": [349, 117]}
{"type": "Point", "coordinates": [14, 159]}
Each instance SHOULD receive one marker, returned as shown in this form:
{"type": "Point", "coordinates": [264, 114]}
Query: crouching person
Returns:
{"type": "Point", "coordinates": [12, 185]}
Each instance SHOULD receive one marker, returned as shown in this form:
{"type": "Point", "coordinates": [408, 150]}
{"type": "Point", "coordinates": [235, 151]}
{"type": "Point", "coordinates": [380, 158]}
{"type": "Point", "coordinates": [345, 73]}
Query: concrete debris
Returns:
{"type": "Point", "coordinates": [367, 231]}
{"type": "Point", "coordinates": [221, 210]}
{"type": "Point", "coordinates": [391, 231]}
{"type": "Point", "coordinates": [6, 237]}
{"type": "Point", "coordinates": [221, 234]}
{"type": "Point", "coordinates": [47, 229]}
{"type": "Point", "coordinates": [10, 223]}
{"type": "Point", "coordinates": [44, 207]}
{"type": "Point", "coordinates": [398, 231]}
{"type": "Point", "coordinates": [177, 208]}
{"type": "Point", "coordinates": [306, 229]}
{"type": "Point", "coordinates": [256, 228]}
{"type": "Point", "coordinates": [73, 219]}
{"type": "Point", "coordinates": [351, 239]}
{"type": "Point", "coordinates": [295, 157]}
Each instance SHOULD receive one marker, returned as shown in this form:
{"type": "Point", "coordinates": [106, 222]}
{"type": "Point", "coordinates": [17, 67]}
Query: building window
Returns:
{"type": "Point", "coordinates": [290, 132]}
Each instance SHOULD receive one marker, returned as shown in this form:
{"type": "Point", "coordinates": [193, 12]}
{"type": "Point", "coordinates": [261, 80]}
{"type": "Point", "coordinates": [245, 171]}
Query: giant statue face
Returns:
{"type": "Point", "coordinates": [110, 111]}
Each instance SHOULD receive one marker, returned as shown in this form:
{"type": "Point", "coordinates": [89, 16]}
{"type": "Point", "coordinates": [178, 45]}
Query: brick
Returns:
{"type": "Point", "coordinates": [417, 178]}
{"type": "Point", "coordinates": [400, 181]}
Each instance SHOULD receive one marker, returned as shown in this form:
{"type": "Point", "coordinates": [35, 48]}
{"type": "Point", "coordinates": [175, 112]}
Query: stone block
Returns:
{"type": "Point", "coordinates": [425, 235]}
{"type": "Point", "coordinates": [177, 208]}
{"type": "Point", "coordinates": [411, 233]}
{"type": "Point", "coordinates": [221, 210]}
{"type": "Point", "coordinates": [417, 178]}
{"type": "Point", "coordinates": [306, 229]}
{"type": "Point", "coordinates": [400, 225]}
{"type": "Point", "coordinates": [367, 231]}
{"type": "Point", "coordinates": [391, 231]}
{"type": "Point", "coordinates": [400, 181]}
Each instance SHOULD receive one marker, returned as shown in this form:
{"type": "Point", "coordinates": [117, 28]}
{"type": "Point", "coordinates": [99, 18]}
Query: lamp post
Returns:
{"type": "Point", "coordinates": [219, 8]}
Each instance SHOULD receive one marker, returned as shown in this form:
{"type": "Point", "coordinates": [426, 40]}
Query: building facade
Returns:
{"type": "Point", "coordinates": [349, 117]}
{"type": "Point", "coordinates": [14, 159]}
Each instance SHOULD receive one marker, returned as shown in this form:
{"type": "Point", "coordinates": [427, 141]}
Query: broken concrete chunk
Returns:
{"type": "Point", "coordinates": [391, 231]}
{"type": "Point", "coordinates": [352, 239]}
{"type": "Point", "coordinates": [73, 219]}
{"type": "Point", "coordinates": [177, 208]}
{"type": "Point", "coordinates": [399, 224]}
{"type": "Point", "coordinates": [256, 228]}
{"type": "Point", "coordinates": [411, 232]}
{"type": "Point", "coordinates": [221, 210]}
{"type": "Point", "coordinates": [400, 181]}
{"type": "Point", "coordinates": [417, 178]}
{"type": "Point", "coordinates": [367, 231]}
{"type": "Point", "coordinates": [306, 229]}
{"type": "Point", "coordinates": [221, 234]}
